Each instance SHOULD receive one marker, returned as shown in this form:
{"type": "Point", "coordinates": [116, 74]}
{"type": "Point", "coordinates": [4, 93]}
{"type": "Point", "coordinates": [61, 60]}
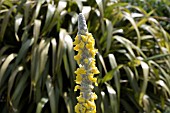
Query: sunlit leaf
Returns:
{"type": "Point", "coordinates": [41, 105]}
{"type": "Point", "coordinates": [5, 65]}
{"type": "Point", "coordinates": [111, 73]}
{"type": "Point", "coordinates": [51, 94]}
{"type": "Point", "coordinates": [18, 20]}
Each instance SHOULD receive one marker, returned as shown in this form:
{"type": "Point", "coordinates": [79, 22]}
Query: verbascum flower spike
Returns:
{"type": "Point", "coordinates": [84, 44]}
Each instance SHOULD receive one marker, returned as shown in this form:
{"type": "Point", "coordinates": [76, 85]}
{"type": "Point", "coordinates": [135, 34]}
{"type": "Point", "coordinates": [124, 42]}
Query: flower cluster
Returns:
{"type": "Point", "coordinates": [84, 45]}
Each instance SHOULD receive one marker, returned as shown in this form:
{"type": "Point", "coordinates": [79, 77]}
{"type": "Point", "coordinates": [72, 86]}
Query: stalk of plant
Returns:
{"type": "Point", "coordinates": [84, 45]}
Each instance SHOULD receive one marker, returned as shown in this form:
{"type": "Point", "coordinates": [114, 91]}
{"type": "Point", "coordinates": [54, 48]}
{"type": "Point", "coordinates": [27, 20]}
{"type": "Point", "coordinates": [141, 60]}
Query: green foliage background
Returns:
{"type": "Point", "coordinates": [36, 55]}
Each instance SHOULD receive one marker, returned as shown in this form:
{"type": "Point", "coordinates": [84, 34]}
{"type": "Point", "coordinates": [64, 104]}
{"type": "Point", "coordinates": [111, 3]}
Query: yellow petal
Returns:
{"type": "Point", "coordinates": [90, 111]}
{"type": "Point", "coordinates": [80, 70]}
{"type": "Point", "coordinates": [77, 57]}
{"type": "Point", "coordinates": [93, 52]}
{"type": "Point", "coordinates": [78, 79]}
{"type": "Point", "coordinates": [89, 46]}
{"type": "Point", "coordinates": [77, 107]}
{"type": "Point", "coordinates": [80, 99]}
{"type": "Point", "coordinates": [92, 64]}
{"type": "Point", "coordinates": [77, 87]}
{"type": "Point", "coordinates": [91, 104]}
{"type": "Point", "coordinates": [81, 44]}
{"type": "Point", "coordinates": [91, 78]}
{"type": "Point", "coordinates": [86, 105]}
{"type": "Point", "coordinates": [94, 96]}
{"type": "Point", "coordinates": [86, 60]}
{"type": "Point", "coordinates": [76, 40]}
{"type": "Point", "coordinates": [76, 47]}
{"type": "Point", "coordinates": [84, 38]}
{"type": "Point", "coordinates": [95, 70]}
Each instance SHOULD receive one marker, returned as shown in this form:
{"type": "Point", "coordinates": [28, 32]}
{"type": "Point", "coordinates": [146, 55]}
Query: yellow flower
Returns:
{"type": "Point", "coordinates": [83, 109]}
{"type": "Point", "coordinates": [84, 44]}
{"type": "Point", "coordinates": [86, 60]}
{"type": "Point", "coordinates": [89, 34]}
{"type": "Point", "coordinates": [80, 99]}
{"type": "Point", "coordinates": [77, 57]}
{"type": "Point", "coordinates": [89, 46]}
{"type": "Point", "coordinates": [93, 52]}
{"type": "Point", "coordinates": [94, 97]}
{"type": "Point", "coordinates": [90, 111]}
{"type": "Point", "coordinates": [86, 105]}
{"type": "Point", "coordinates": [95, 70]}
{"type": "Point", "coordinates": [80, 70]}
{"type": "Point", "coordinates": [81, 44]}
{"type": "Point", "coordinates": [77, 87]}
{"type": "Point", "coordinates": [78, 79]}
{"type": "Point", "coordinates": [91, 104]}
{"type": "Point", "coordinates": [77, 108]}
{"type": "Point", "coordinates": [92, 63]}
{"type": "Point", "coordinates": [76, 47]}
{"type": "Point", "coordinates": [91, 40]}
{"type": "Point", "coordinates": [76, 40]}
{"type": "Point", "coordinates": [84, 38]}
{"type": "Point", "coordinates": [91, 78]}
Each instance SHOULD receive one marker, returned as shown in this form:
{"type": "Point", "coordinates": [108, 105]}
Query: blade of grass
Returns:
{"type": "Point", "coordinates": [109, 34]}
{"type": "Point", "coordinates": [128, 17]}
{"type": "Point", "coordinates": [5, 23]}
{"type": "Point", "coordinates": [51, 94]}
{"type": "Point", "coordinates": [18, 20]}
{"type": "Point", "coordinates": [50, 12]}
{"type": "Point", "coordinates": [113, 98]}
{"type": "Point", "coordinates": [41, 105]}
{"type": "Point", "coordinates": [113, 64]}
{"type": "Point", "coordinates": [145, 69]}
{"type": "Point", "coordinates": [5, 65]}
{"type": "Point", "coordinates": [111, 74]}
{"type": "Point", "coordinates": [18, 92]}
{"type": "Point", "coordinates": [54, 53]}
{"type": "Point", "coordinates": [36, 32]}
{"type": "Point", "coordinates": [12, 79]}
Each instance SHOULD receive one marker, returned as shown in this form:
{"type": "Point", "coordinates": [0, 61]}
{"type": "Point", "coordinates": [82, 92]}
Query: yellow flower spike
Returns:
{"type": "Point", "coordinates": [84, 44]}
